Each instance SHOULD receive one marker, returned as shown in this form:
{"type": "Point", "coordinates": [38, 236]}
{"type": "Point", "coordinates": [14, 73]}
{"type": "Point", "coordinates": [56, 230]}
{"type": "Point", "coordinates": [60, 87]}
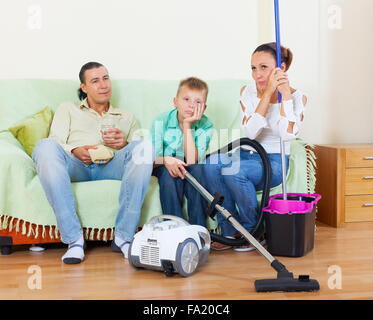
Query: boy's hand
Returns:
{"type": "Point", "coordinates": [197, 114]}
{"type": "Point", "coordinates": [175, 167]}
{"type": "Point", "coordinates": [114, 138]}
{"type": "Point", "coordinates": [82, 154]}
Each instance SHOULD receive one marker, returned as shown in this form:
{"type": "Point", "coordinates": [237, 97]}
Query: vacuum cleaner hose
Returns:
{"type": "Point", "coordinates": [259, 227]}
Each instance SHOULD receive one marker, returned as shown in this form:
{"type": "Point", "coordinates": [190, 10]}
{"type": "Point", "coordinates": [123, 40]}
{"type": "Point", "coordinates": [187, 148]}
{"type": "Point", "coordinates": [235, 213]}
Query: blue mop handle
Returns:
{"type": "Point", "coordinates": [278, 60]}
{"type": "Point", "coordinates": [278, 41]}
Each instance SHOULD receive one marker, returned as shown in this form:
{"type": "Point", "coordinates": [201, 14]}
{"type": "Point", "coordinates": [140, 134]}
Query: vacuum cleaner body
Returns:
{"type": "Point", "coordinates": [171, 245]}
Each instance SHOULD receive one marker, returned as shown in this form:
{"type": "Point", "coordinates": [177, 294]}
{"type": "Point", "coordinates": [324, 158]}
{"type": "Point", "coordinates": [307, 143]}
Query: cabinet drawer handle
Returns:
{"type": "Point", "coordinates": [368, 177]}
{"type": "Point", "coordinates": [368, 158]}
{"type": "Point", "coordinates": [368, 205]}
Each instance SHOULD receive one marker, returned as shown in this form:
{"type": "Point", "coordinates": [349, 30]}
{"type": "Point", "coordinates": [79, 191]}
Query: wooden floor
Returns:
{"type": "Point", "coordinates": [227, 275]}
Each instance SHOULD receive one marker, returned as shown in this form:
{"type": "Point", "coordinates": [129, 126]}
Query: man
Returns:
{"type": "Point", "coordinates": [77, 150]}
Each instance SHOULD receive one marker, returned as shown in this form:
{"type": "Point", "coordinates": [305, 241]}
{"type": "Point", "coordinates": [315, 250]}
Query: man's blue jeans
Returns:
{"type": "Point", "coordinates": [238, 176]}
{"type": "Point", "coordinates": [56, 169]}
{"type": "Point", "coordinates": [172, 191]}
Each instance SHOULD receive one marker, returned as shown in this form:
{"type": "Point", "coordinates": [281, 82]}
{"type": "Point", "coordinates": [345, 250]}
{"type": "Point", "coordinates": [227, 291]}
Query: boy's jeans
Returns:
{"type": "Point", "coordinates": [57, 169]}
{"type": "Point", "coordinates": [172, 191]}
{"type": "Point", "coordinates": [238, 176]}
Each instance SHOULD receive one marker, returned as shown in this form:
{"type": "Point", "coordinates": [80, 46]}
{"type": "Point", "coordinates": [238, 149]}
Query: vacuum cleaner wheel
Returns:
{"type": "Point", "coordinates": [187, 257]}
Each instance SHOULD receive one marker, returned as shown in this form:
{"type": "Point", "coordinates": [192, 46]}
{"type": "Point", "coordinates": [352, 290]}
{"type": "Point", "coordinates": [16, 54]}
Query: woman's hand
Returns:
{"type": "Point", "coordinates": [175, 167]}
{"type": "Point", "coordinates": [283, 85]}
{"type": "Point", "coordinates": [278, 80]}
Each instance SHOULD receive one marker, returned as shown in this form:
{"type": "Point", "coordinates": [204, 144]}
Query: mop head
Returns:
{"type": "Point", "coordinates": [287, 284]}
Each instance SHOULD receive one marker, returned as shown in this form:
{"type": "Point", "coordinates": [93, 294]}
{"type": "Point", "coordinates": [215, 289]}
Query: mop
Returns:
{"type": "Point", "coordinates": [285, 280]}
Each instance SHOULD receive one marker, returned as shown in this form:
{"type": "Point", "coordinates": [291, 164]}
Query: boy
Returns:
{"type": "Point", "coordinates": [181, 137]}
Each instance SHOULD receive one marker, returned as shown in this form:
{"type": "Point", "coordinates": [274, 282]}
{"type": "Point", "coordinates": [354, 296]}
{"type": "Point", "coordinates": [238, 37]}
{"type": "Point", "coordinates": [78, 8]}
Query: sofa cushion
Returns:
{"type": "Point", "coordinates": [29, 132]}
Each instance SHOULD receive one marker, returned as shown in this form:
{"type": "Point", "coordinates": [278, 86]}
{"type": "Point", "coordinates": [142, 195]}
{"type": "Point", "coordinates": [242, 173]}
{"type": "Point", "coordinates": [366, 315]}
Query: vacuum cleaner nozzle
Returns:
{"type": "Point", "coordinates": [285, 281]}
{"type": "Point", "coordinates": [287, 284]}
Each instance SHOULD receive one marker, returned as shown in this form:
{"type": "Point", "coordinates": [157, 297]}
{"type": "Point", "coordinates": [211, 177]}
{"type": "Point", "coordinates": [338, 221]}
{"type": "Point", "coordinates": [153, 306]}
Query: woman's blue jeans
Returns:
{"type": "Point", "coordinates": [238, 177]}
{"type": "Point", "coordinates": [56, 169]}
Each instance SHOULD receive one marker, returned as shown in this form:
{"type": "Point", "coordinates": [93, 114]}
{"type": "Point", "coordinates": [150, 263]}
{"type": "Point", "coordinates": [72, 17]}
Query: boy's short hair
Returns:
{"type": "Point", "coordinates": [194, 84]}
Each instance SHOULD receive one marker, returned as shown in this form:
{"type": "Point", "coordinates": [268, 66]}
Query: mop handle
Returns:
{"type": "Point", "coordinates": [278, 61]}
{"type": "Point", "coordinates": [283, 168]}
{"type": "Point", "coordinates": [278, 41]}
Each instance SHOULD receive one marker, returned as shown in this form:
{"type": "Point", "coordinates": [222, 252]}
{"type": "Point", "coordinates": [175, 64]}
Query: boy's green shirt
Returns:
{"type": "Point", "coordinates": [168, 138]}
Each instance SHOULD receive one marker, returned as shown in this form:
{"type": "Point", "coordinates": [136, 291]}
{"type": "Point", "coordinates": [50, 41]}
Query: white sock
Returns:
{"type": "Point", "coordinates": [74, 253]}
{"type": "Point", "coordinates": [123, 245]}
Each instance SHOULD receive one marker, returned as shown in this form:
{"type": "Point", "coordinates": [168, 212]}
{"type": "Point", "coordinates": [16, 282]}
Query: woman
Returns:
{"type": "Point", "coordinates": [263, 118]}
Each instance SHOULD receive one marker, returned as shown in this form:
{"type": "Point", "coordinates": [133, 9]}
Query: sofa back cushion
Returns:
{"type": "Point", "coordinates": [145, 99]}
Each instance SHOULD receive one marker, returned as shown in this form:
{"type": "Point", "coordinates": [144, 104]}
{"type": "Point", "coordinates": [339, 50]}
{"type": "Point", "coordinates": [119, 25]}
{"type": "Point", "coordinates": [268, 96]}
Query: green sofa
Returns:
{"type": "Point", "coordinates": [21, 195]}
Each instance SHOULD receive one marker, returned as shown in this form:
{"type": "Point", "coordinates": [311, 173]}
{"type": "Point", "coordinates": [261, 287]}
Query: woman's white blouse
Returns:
{"type": "Point", "coordinates": [268, 130]}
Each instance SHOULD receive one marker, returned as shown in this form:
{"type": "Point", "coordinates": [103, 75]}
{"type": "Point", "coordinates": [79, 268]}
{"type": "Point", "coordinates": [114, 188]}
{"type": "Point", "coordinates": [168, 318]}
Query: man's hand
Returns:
{"type": "Point", "coordinates": [175, 167]}
{"type": "Point", "coordinates": [114, 138]}
{"type": "Point", "coordinates": [82, 154]}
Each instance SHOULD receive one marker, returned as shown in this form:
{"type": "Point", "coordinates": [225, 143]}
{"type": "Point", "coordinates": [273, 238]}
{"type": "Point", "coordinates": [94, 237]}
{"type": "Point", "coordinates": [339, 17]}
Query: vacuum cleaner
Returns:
{"type": "Point", "coordinates": [170, 244]}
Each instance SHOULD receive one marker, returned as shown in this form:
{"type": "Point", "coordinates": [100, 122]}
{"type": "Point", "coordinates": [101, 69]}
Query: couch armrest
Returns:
{"type": "Point", "coordinates": [12, 153]}
{"type": "Point", "coordinates": [7, 140]}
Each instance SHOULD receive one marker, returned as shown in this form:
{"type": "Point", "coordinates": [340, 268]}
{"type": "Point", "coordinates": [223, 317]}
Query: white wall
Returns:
{"type": "Point", "coordinates": [299, 20]}
{"type": "Point", "coordinates": [145, 39]}
{"type": "Point", "coordinates": [212, 39]}
{"type": "Point", "coordinates": [346, 68]}
{"type": "Point", "coordinates": [333, 63]}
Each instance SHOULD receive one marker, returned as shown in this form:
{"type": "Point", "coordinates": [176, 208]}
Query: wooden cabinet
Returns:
{"type": "Point", "coordinates": [344, 178]}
